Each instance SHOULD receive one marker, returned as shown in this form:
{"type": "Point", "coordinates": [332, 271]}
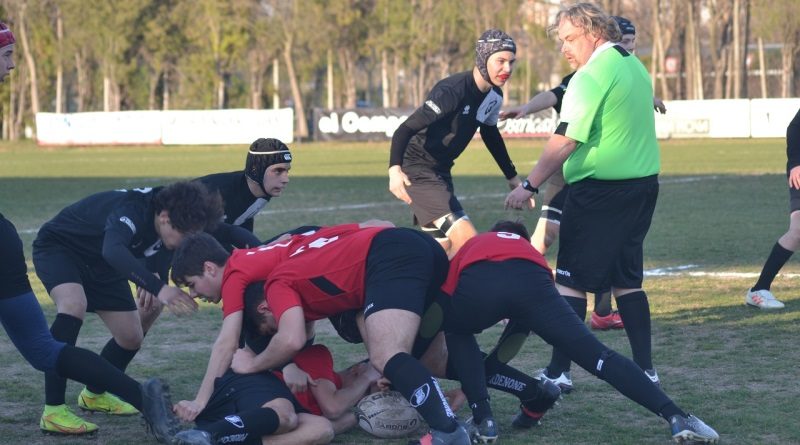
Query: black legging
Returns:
{"type": "Point", "coordinates": [524, 292]}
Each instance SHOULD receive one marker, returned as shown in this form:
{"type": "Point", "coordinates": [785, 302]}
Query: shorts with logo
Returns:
{"type": "Point", "coordinates": [603, 227]}
{"type": "Point", "coordinates": [235, 393]}
{"type": "Point", "coordinates": [432, 195]}
{"type": "Point", "coordinates": [105, 288]}
{"type": "Point", "coordinates": [404, 270]}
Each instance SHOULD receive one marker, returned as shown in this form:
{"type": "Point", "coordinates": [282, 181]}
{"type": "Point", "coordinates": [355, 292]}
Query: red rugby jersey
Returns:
{"type": "Point", "coordinates": [324, 273]}
{"type": "Point", "coordinates": [317, 362]}
{"type": "Point", "coordinates": [491, 246]}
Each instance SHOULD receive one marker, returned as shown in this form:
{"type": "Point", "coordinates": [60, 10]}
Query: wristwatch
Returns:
{"type": "Point", "coordinates": [527, 186]}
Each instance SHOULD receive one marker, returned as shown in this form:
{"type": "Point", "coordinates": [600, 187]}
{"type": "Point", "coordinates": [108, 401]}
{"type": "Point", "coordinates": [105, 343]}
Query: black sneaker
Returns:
{"type": "Point", "coordinates": [157, 410]}
{"type": "Point", "coordinates": [436, 437]}
{"type": "Point", "coordinates": [691, 430]}
{"type": "Point", "coordinates": [193, 437]}
{"type": "Point", "coordinates": [484, 432]}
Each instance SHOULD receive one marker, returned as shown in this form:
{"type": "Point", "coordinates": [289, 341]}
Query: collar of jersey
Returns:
{"type": "Point", "coordinates": [600, 49]}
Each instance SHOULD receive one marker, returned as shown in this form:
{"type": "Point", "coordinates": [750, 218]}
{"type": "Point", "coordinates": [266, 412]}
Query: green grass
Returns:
{"type": "Point", "coordinates": [722, 206]}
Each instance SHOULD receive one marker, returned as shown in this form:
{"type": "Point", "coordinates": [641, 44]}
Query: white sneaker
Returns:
{"type": "Point", "coordinates": [653, 376]}
{"type": "Point", "coordinates": [564, 381]}
{"type": "Point", "coordinates": [762, 299]}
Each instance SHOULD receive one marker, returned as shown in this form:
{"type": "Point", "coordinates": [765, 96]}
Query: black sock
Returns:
{"type": "Point", "coordinates": [463, 350]}
{"type": "Point", "coordinates": [89, 368]}
{"type": "Point", "coordinates": [117, 356]}
{"type": "Point", "coordinates": [65, 329]}
{"type": "Point", "coordinates": [635, 312]}
{"type": "Point", "coordinates": [531, 392]}
{"type": "Point", "coordinates": [244, 425]}
{"type": "Point", "coordinates": [480, 410]}
{"type": "Point", "coordinates": [560, 362]}
{"type": "Point", "coordinates": [775, 261]}
{"type": "Point", "coordinates": [416, 384]}
{"type": "Point", "coordinates": [602, 304]}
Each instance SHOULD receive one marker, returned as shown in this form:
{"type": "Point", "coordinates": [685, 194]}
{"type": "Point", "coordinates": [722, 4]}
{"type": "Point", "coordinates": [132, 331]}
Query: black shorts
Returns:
{"type": "Point", "coordinates": [13, 269]}
{"type": "Point", "coordinates": [603, 227]}
{"type": "Point", "coordinates": [235, 393]}
{"type": "Point", "coordinates": [105, 288]}
{"type": "Point", "coordinates": [517, 289]}
{"type": "Point", "coordinates": [432, 195]}
{"type": "Point", "coordinates": [404, 270]}
{"type": "Point", "coordinates": [794, 199]}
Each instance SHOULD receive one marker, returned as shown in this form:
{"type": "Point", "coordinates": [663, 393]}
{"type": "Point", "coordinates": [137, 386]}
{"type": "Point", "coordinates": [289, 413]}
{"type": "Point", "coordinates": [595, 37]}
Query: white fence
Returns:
{"type": "Point", "coordinates": [201, 127]}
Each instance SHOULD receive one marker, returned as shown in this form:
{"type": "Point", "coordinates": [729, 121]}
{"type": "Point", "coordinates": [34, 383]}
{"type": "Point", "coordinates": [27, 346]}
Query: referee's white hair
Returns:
{"type": "Point", "coordinates": [591, 18]}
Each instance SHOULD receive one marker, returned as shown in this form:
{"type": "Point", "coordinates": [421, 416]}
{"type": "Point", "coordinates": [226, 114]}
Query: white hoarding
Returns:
{"type": "Point", "coordinates": [240, 126]}
{"type": "Point", "coordinates": [770, 117]}
{"type": "Point", "coordinates": [705, 119]}
{"type": "Point", "coordinates": [123, 127]}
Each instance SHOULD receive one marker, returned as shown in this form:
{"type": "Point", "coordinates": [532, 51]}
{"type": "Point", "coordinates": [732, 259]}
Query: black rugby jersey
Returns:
{"type": "Point", "coordinates": [240, 208]}
{"type": "Point", "coordinates": [439, 131]}
{"type": "Point", "coordinates": [116, 227]}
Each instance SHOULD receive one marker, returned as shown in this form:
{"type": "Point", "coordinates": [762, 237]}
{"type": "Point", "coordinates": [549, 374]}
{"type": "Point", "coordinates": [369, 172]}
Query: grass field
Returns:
{"type": "Point", "coordinates": [722, 205]}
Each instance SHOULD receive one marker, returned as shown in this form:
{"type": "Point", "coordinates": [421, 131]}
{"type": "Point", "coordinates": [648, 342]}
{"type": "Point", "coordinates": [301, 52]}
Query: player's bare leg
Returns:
{"type": "Point", "coordinates": [461, 232]}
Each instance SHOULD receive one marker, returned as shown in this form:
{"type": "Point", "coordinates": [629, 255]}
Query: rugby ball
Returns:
{"type": "Point", "coordinates": [387, 415]}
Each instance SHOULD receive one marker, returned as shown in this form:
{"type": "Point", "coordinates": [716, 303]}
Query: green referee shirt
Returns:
{"type": "Point", "coordinates": [608, 110]}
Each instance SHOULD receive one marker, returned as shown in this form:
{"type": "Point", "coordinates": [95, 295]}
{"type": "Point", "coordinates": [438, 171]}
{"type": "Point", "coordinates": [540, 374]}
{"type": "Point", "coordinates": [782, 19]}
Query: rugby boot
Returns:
{"type": "Point", "coordinates": [762, 299]}
{"type": "Point", "coordinates": [691, 430]}
{"type": "Point", "coordinates": [157, 411]}
{"type": "Point", "coordinates": [526, 418]}
{"type": "Point", "coordinates": [483, 432]}
{"type": "Point", "coordinates": [104, 403]}
{"type": "Point", "coordinates": [193, 437]}
{"type": "Point", "coordinates": [610, 321]}
{"type": "Point", "coordinates": [436, 437]}
{"type": "Point", "coordinates": [563, 381]}
{"type": "Point", "coordinates": [60, 420]}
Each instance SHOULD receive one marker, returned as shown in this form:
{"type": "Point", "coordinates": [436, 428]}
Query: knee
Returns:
{"type": "Point", "coordinates": [320, 429]}
{"type": "Point", "coordinates": [287, 417]}
{"type": "Point", "coordinates": [75, 307]}
{"type": "Point", "coordinates": [130, 341]}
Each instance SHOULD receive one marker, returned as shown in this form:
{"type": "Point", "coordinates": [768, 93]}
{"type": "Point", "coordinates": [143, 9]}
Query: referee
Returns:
{"type": "Point", "coordinates": [607, 148]}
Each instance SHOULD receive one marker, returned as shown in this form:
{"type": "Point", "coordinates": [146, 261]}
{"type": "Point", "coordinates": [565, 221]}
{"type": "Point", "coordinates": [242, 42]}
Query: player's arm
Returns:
{"type": "Point", "coordinates": [497, 147]}
{"type": "Point", "coordinates": [115, 251]}
{"type": "Point", "coordinates": [336, 402]}
{"type": "Point", "coordinates": [236, 236]}
{"type": "Point", "coordinates": [219, 362]}
{"type": "Point", "coordinates": [287, 341]}
{"type": "Point", "coordinates": [440, 102]}
{"type": "Point", "coordinates": [539, 102]}
{"type": "Point", "coordinates": [557, 149]}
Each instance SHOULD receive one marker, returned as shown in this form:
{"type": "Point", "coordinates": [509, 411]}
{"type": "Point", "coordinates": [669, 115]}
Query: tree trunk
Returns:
{"type": "Point", "coordinates": [329, 79]}
{"type": "Point", "coordinates": [737, 50]}
{"type": "Point", "coordinates": [220, 92]}
{"type": "Point", "coordinates": [394, 86]}
{"type": "Point", "coordinates": [29, 62]}
{"type": "Point", "coordinates": [297, 97]}
{"type": "Point", "coordinates": [82, 83]}
{"type": "Point", "coordinates": [385, 79]}
{"type": "Point", "coordinates": [276, 100]}
{"type": "Point", "coordinates": [420, 84]}
{"type": "Point", "coordinates": [151, 93]}
{"type": "Point", "coordinates": [59, 61]}
{"type": "Point", "coordinates": [787, 70]}
{"type": "Point", "coordinates": [106, 93]}
{"type": "Point", "coordinates": [347, 60]}
{"type": "Point", "coordinates": [745, 42]}
{"type": "Point", "coordinates": [762, 68]}
{"type": "Point", "coordinates": [165, 90]}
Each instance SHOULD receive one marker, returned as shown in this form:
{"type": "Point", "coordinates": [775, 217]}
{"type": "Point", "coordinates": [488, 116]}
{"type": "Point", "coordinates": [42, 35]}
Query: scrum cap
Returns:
{"type": "Point", "coordinates": [491, 41]}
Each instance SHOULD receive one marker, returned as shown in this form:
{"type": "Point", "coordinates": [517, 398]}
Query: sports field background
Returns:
{"type": "Point", "coordinates": [722, 205]}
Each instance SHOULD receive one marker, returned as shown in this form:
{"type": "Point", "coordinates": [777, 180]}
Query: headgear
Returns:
{"type": "Point", "coordinates": [263, 153]}
{"type": "Point", "coordinates": [491, 41]}
{"type": "Point", "coordinates": [625, 25]}
{"type": "Point", "coordinates": [6, 36]}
